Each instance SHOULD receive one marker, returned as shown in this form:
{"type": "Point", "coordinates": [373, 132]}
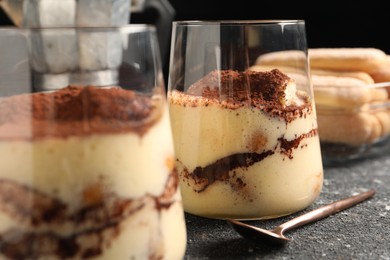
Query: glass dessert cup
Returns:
{"type": "Point", "coordinates": [87, 161]}
{"type": "Point", "coordinates": [246, 137]}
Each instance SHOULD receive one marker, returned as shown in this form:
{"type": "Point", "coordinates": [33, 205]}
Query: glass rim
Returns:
{"type": "Point", "coordinates": [126, 28]}
{"type": "Point", "coordinates": [239, 22]}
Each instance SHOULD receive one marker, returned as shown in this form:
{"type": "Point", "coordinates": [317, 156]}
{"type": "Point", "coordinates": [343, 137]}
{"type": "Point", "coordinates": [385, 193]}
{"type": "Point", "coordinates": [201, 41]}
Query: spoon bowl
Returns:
{"type": "Point", "coordinates": [277, 236]}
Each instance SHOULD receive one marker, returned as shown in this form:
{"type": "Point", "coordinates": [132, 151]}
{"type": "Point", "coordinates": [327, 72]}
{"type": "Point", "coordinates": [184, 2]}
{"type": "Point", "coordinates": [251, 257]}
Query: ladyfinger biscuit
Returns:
{"type": "Point", "coordinates": [352, 129]}
{"type": "Point", "coordinates": [375, 93]}
{"type": "Point", "coordinates": [383, 73]}
{"type": "Point", "coordinates": [339, 59]}
{"type": "Point", "coordinates": [344, 92]}
{"type": "Point", "coordinates": [364, 76]}
{"type": "Point", "coordinates": [384, 119]}
{"type": "Point", "coordinates": [347, 59]}
{"type": "Point", "coordinates": [290, 58]}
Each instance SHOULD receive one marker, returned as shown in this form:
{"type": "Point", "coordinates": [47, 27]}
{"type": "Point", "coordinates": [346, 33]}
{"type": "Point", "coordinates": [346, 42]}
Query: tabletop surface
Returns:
{"type": "Point", "coordinates": [359, 232]}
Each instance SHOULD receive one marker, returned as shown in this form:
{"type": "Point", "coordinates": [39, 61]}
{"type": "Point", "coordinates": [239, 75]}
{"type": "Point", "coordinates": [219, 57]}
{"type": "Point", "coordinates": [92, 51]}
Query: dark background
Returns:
{"type": "Point", "coordinates": [328, 23]}
{"type": "Point", "coordinates": [332, 23]}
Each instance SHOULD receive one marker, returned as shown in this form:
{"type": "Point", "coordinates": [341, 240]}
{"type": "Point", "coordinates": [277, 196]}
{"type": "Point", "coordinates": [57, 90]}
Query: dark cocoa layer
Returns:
{"type": "Point", "coordinates": [76, 111]}
{"type": "Point", "coordinates": [221, 170]}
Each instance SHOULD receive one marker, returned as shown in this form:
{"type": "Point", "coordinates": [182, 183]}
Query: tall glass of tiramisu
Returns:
{"type": "Point", "coordinates": [246, 138]}
{"type": "Point", "coordinates": [87, 166]}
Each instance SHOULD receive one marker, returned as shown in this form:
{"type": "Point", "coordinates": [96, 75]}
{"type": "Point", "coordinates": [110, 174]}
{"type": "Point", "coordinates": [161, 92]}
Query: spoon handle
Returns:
{"type": "Point", "coordinates": [326, 211]}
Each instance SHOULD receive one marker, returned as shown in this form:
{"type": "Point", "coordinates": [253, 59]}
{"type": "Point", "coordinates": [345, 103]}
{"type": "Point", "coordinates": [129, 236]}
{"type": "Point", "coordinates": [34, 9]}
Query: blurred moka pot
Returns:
{"type": "Point", "coordinates": [47, 13]}
{"type": "Point", "coordinates": [59, 53]}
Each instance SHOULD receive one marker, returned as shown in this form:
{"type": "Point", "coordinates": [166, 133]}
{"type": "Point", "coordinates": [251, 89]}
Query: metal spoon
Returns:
{"type": "Point", "coordinates": [276, 235]}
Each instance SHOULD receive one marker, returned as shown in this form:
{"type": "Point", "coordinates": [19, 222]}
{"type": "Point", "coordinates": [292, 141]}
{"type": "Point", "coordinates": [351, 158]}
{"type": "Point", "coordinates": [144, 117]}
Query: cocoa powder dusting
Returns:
{"type": "Point", "coordinates": [233, 86]}
{"type": "Point", "coordinates": [76, 111]}
{"type": "Point", "coordinates": [264, 90]}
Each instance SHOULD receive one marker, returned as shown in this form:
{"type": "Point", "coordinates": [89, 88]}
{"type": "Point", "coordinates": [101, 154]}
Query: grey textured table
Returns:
{"type": "Point", "coordinates": [360, 232]}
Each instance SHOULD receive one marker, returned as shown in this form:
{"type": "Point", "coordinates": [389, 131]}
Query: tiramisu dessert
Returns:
{"type": "Point", "coordinates": [246, 145]}
{"type": "Point", "coordinates": [88, 172]}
